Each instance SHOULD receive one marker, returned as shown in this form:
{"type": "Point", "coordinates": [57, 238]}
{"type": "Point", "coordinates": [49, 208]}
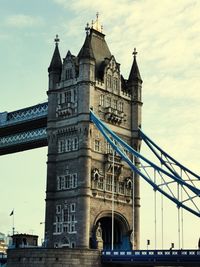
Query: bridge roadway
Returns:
{"type": "Point", "coordinates": [151, 257]}
{"type": "Point", "coordinates": [23, 129]}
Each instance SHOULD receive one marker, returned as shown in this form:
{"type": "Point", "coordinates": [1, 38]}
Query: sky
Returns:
{"type": "Point", "coordinates": [167, 36]}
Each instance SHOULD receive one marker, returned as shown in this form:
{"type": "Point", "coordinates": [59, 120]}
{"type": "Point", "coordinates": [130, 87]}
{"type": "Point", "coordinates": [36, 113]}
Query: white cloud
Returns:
{"type": "Point", "coordinates": [23, 21]}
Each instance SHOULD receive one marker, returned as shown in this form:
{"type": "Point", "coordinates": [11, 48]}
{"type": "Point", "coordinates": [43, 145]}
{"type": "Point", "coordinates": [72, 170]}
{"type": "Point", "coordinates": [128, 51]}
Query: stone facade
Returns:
{"type": "Point", "coordinates": [53, 258]}
{"type": "Point", "coordinates": [80, 161]}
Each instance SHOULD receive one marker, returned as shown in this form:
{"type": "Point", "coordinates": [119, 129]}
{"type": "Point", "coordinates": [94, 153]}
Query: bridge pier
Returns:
{"type": "Point", "coordinates": [66, 257]}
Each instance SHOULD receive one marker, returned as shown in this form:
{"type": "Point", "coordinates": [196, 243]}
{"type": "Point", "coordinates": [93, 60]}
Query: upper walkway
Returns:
{"type": "Point", "coordinates": [23, 129]}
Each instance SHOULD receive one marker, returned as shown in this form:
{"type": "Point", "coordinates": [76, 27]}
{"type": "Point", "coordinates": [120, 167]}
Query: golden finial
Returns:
{"type": "Point", "coordinates": [96, 25]}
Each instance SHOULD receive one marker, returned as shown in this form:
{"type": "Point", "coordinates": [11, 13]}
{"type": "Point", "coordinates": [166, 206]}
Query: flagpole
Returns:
{"type": "Point", "coordinates": [13, 221]}
{"type": "Point", "coordinates": [113, 184]}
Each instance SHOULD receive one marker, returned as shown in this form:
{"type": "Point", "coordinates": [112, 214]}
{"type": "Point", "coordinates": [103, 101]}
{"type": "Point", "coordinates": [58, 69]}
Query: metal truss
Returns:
{"type": "Point", "coordinates": [23, 137]}
{"type": "Point", "coordinates": [29, 113]}
{"type": "Point", "coordinates": [165, 179]}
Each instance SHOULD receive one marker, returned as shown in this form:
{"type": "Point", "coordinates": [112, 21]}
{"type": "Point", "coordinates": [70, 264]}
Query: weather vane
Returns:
{"type": "Point", "coordinates": [135, 52]}
{"type": "Point", "coordinates": [57, 40]}
{"type": "Point", "coordinates": [87, 28]}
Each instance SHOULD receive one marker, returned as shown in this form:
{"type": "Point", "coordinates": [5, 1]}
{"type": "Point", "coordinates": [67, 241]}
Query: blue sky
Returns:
{"type": "Point", "coordinates": [167, 36]}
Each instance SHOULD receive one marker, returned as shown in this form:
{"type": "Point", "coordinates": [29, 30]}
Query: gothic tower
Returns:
{"type": "Point", "coordinates": [80, 161]}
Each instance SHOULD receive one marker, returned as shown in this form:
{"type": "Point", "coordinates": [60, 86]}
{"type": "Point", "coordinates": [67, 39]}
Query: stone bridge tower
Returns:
{"type": "Point", "coordinates": [79, 166]}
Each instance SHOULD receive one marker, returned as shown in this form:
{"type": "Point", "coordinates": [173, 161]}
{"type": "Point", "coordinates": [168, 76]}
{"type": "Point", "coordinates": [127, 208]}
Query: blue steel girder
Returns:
{"type": "Point", "coordinates": [23, 129]}
{"type": "Point", "coordinates": [183, 193]}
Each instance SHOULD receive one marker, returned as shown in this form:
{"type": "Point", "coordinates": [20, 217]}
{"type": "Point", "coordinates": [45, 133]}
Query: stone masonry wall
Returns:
{"type": "Point", "coordinates": [60, 257]}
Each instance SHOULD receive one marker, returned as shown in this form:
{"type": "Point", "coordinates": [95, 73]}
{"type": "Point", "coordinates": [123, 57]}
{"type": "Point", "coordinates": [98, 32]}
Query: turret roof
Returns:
{"type": "Point", "coordinates": [86, 50]}
{"type": "Point", "coordinates": [134, 73]}
{"type": "Point", "coordinates": [56, 62]}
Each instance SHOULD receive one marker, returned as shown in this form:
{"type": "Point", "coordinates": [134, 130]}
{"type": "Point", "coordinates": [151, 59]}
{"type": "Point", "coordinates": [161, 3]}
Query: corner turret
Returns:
{"type": "Point", "coordinates": [55, 67]}
{"type": "Point", "coordinates": [134, 75]}
{"type": "Point", "coordinates": [86, 59]}
{"type": "Point", "coordinates": [134, 85]}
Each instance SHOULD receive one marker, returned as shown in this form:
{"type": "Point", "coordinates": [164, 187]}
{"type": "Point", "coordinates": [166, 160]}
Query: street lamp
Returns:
{"type": "Point", "coordinates": [148, 243]}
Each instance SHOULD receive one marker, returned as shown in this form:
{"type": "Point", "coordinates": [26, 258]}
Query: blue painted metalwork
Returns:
{"type": "Point", "coordinates": [23, 137]}
{"type": "Point", "coordinates": [149, 257]}
{"type": "Point", "coordinates": [18, 116]}
{"type": "Point", "coordinates": [120, 146]}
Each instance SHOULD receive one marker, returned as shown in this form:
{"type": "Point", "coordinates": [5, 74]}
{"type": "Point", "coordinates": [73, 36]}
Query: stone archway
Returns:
{"type": "Point", "coordinates": [121, 230]}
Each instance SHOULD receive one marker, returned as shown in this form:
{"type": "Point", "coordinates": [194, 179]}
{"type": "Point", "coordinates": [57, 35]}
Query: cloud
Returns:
{"type": "Point", "coordinates": [23, 21]}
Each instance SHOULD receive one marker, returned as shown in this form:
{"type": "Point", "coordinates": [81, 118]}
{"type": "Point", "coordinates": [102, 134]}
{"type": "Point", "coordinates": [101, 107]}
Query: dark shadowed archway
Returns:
{"type": "Point", "coordinates": [121, 230]}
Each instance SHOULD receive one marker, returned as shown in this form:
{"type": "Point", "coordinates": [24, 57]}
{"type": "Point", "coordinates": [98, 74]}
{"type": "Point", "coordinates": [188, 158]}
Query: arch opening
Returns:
{"type": "Point", "coordinates": [121, 232]}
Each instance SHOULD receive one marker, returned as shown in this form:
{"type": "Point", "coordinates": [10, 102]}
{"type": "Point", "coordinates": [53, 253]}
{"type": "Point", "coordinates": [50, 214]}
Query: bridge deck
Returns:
{"type": "Point", "coordinates": [152, 257]}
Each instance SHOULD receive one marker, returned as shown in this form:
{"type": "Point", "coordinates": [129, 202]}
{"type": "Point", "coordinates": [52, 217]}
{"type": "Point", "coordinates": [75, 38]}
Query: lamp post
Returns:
{"type": "Point", "coordinates": [148, 243]}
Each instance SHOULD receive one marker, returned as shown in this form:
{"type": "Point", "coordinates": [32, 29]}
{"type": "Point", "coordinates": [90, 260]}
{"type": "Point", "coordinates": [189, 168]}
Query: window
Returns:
{"type": "Point", "coordinates": [59, 186]}
{"type": "Point", "coordinates": [108, 102]}
{"type": "Point", "coordinates": [74, 180]}
{"type": "Point", "coordinates": [100, 184]}
{"type": "Point", "coordinates": [58, 218]}
{"type": "Point", "coordinates": [115, 84]}
{"type": "Point", "coordinates": [68, 181]}
{"type": "Point", "coordinates": [72, 207]}
{"type": "Point", "coordinates": [115, 104]}
{"type": "Point", "coordinates": [65, 228]}
{"type": "Point", "coordinates": [66, 214]}
{"type": "Point", "coordinates": [109, 81]}
{"type": "Point", "coordinates": [121, 188]}
{"type": "Point", "coordinates": [58, 209]}
{"type": "Point", "coordinates": [72, 227]}
{"type": "Point", "coordinates": [101, 103]}
{"type": "Point", "coordinates": [68, 73]}
{"type": "Point", "coordinates": [72, 218]}
{"type": "Point", "coordinates": [61, 146]}
{"type": "Point", "coordinates": [121, 106]}
{"type": "Point", "coordinates": [109, 179]}
{"type": "Point", "coordinates": [75, 95]}
{"type": "Point", "coordinates": [109, 149]}
{"type": "Point", "coordinates": [74, 143]}
{"type": "Point", "coordinates": [68, 96]}
{"type": "Point", "coordinates": [73, 244]}
{"type": "Point", "coordinates": [68, 145]}
{"type": "Point", "coordinates": [109, 182]}
{"type": "Point", "coordinates": [60, 99]}
{"type": "Point", "coordinates": [97, 145]}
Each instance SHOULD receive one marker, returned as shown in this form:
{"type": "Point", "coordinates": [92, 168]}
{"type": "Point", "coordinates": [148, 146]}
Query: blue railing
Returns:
{"type": "Point", "coordinates": [149, 256]}
{"type": "Point", "coordinates": [19, 116]}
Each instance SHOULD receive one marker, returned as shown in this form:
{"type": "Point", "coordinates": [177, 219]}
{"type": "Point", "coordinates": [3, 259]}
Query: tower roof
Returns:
{"type": "Point", "coordinates": [95, 46]}
{"type": "Point", "coordinates": [134, 73]}
{"type": "Point", "coordinates": [86, 50]}
{"type": "Point", "coordinates": [56, 62]}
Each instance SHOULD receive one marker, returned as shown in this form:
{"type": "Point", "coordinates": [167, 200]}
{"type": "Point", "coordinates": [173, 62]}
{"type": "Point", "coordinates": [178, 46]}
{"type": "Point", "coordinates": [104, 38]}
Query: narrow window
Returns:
{"type": "Point", "coordinates": [73, 207]}
{"type": "Point", "coordinates": [97, 146]}
{"type": "Point", "coordinates": [68, 75]}
{"type": "Point", "coordinates": [108, 102]}
{"type": "Point", "coordinates": [121, 106]}
{"type": "Point", "coordinates": [101, 102]}
{"type": "Point", "coordinates": [74, 180]}
{"type": "Point", "coordinates": [115, 104]}
{"type": "Point", "coordinates": [100, 183]}
{"type": "Point", "coordinates": [109, 81]}
{"type": "Point", "coordinates": [109, 182]}
{"type": "Point", "coordinates": [58, 209]}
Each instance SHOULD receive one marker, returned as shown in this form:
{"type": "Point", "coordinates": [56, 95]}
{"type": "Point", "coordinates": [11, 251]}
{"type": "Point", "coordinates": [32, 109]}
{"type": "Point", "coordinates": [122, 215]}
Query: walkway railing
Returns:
{"type": "Point", "coordinates": [151, 256]}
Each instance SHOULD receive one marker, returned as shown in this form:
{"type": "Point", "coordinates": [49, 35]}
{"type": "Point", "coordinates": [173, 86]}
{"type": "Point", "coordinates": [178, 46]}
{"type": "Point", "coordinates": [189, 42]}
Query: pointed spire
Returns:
{"type": "Point", "coordinates": [56, 62]}
{"type": "Point", "coordinates": [134, 73]}
{"type": "Point", "coordinates": [86, 51]}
